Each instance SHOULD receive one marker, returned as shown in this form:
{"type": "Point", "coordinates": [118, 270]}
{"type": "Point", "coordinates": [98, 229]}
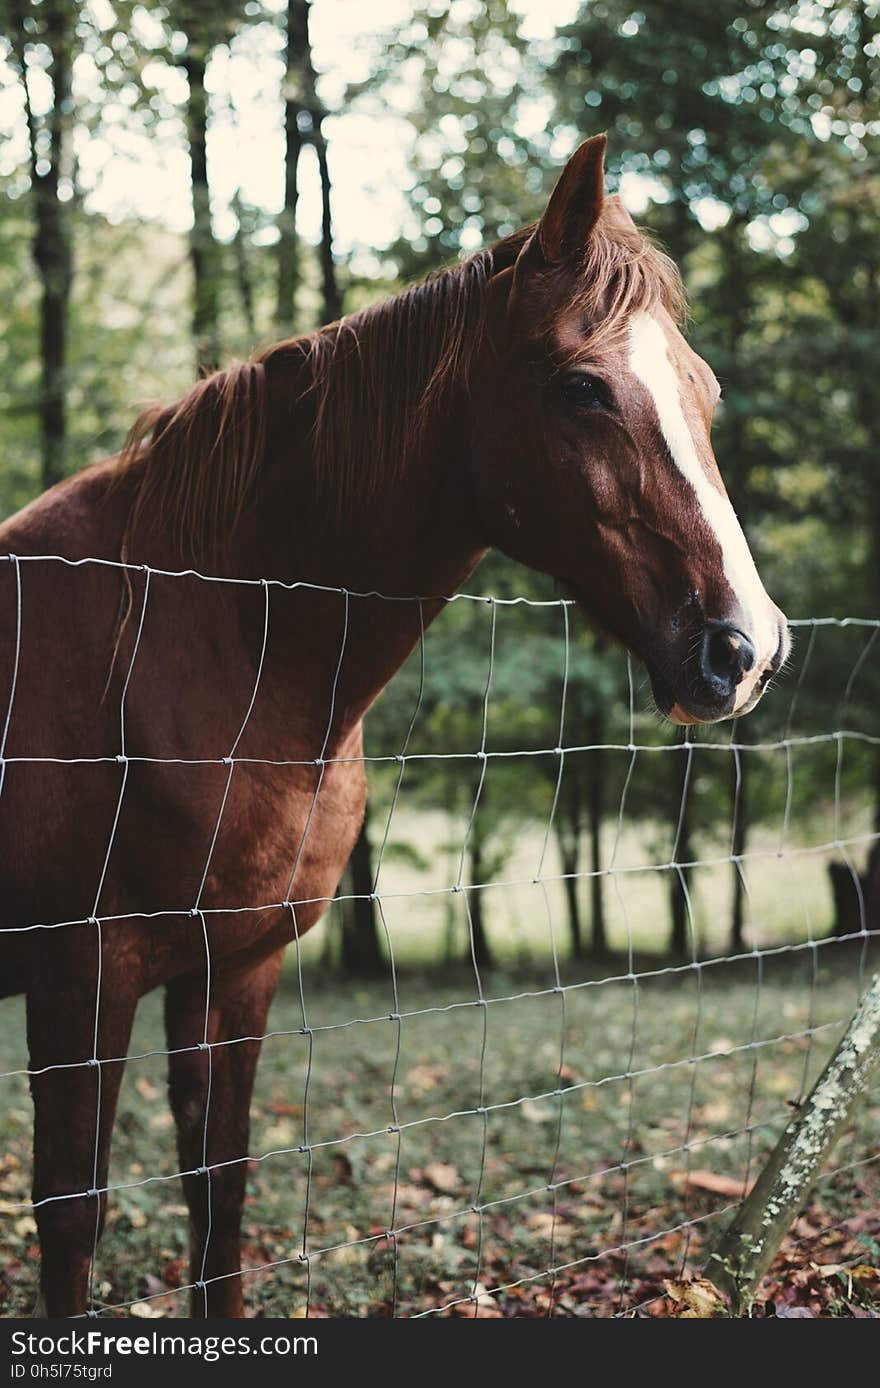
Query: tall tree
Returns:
{"type": "Point", "coordinates": [243, 272]}
{"type": "Point", "coordinates": [203, 249]}
{"type": "Point", "coordinates": [480, 873]}
{"type": "Point", "coordinates": [331, 297]}
{"type": "Point", "coordinates": [681, 872]}
{"type": "Point", "coordinates": [361, 950]}
{"type": "Point", "coordinates": [739, 798]}
{"type": "Point", "coordinates": [596, 815]}
{"type": "Point", "coordinates": [303, 124]}
{"type": "Point", "coordinates": [205, 23]}
{"type": "Point", "coordinates": [50, 26]}
{"type": "Point", "coordinates": [296, 40]}
{"type": "Point", "coordinates": [568, 826]}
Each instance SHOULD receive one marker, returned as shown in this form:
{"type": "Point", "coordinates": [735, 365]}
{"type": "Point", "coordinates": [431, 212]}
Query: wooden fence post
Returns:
{"type": "Point", "coordinates": [751, 1241]}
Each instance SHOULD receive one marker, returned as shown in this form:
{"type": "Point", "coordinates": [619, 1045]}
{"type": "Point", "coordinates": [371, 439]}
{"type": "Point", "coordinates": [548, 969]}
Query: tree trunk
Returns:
{"type": "Point", "coordinates": [871, 880]}
{"type": "Point", "coordinates": [295, 48]}
{"type": "Point", "coordinates": [856, 895]}
{"type": "Point", "coordinates": [681, 876]}
{"type": "Point", "coordinates": [329, 286]}
{"type": "Point", "coordinates": [361, 949]}
{"type": "Point", "coordinates": [569, 856]}
{"type": "Point", "coordinates": [303, 124]}
{"type": "Point", "coordinates": [599, 941]}
{"type": "Point", "coordinates": [849, 891]}
{"type": "Point", "coordinates": [572, 901]}
{"type": "Point", "coordinates": [870, 891]}
{"type": "Point", "coordinates": [52, 243]}
{"type": "Point", "coordinates": [751, 1242]}
{"type": "Point", "coordinates": [739, 796]}
{"type": "Point", "coordinates": [204, 252]}
{"type": "Point", "coordinates": [482, 953]}
{"type": "Point", "coordinates": [243, 277]}
{"type": "Point", "coordinates": [567, 825]}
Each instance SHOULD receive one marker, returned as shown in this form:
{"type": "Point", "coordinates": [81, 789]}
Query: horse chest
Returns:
{"type": "Point", "coordinates": [286, 839]}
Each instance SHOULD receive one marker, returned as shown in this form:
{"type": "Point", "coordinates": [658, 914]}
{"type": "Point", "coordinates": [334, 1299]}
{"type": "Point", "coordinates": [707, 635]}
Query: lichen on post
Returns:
{"type": "Point", "coordinates": [750, 1242]}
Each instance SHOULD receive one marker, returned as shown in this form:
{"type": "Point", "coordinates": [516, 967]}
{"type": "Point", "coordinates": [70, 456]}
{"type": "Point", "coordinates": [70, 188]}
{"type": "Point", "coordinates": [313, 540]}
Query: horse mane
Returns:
{"type": "Point", "coordinates": [624, 271]}
{"type": "Point", "coordinates": [198, 460]}
{"type": "Point", "coordinates": [374, 380]}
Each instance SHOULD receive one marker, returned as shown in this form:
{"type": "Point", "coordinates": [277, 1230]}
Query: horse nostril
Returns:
{"type": "Point", "coordinates": [727, 655]}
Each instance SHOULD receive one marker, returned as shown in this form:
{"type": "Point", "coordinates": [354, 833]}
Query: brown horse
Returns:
{"type": "Point", "coordinates": [181, 773]}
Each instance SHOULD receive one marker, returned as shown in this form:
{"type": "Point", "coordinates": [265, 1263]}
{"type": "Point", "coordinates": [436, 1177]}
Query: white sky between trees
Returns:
{"type": "Point", "coordinates": [133, 169]}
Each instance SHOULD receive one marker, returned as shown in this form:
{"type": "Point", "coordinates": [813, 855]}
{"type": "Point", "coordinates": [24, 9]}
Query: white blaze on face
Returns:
{"type": "Point", "coordinates": [649, 360]}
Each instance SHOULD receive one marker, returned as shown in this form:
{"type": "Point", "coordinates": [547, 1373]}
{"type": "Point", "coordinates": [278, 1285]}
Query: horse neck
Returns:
{"type": "Point", "coordinates": [415, 535]}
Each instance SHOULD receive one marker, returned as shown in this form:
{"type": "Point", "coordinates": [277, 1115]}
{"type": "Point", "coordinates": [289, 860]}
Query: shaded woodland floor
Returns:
{"type": "Point", "coordinates": [672, 1088]}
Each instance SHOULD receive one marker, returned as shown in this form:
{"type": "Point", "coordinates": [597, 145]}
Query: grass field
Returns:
{"type": "Point", "coordinates": [788, 892]}
{"type": "Point", "coordinates": [467, 1192]}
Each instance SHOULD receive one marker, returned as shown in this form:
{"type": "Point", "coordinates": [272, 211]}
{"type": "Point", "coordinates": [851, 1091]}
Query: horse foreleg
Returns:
{"type": "Point", "coordinates": [74, 1090]}
{"type": "Point", "coordinates": [210, 1093]}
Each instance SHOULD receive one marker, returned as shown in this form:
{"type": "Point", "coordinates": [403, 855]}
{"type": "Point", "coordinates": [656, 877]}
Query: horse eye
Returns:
{"type": "Point", "coordinates": [587, 392]}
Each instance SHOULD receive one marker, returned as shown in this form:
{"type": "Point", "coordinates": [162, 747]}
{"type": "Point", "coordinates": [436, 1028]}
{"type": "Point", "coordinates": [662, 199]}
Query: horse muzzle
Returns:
{"type": "Point", "coordinates": [721, 675]}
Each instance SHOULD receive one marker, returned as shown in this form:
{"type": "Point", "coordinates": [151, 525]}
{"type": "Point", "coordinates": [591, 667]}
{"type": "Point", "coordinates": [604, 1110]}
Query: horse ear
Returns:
{"type": "Point", "coordinates": [575, 204]}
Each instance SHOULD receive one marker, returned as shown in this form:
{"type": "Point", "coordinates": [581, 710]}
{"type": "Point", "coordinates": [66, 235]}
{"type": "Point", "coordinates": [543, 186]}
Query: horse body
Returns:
{"type": "Point", "coordinates": [157, 844]}
{"type": "Point", "coordinates": [183, 778]}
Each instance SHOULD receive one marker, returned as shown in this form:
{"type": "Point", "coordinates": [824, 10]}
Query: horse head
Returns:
{"type": "Point", "coordinates": [593, 456]}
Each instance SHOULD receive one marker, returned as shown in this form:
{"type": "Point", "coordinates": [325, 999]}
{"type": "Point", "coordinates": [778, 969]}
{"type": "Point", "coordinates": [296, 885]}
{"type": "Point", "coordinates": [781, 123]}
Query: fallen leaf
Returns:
{"type": "Point", "coordinates": [174, 1272]}
{"type": "Point", "coordinates": [700, 1298]}
{"type": "Point", "coordinates": [282, 1134]}
{"type": "Point", "coordinates": [541, 1222]}
{"type": "Point", "coordinates": [412, 1196]}
{"type": "Point", "coordinates": [145, 1310]}
{"type": "Point", "coordinates": [713, 1182]}
{"type": "Point", "coordinates": [443, 1177]}
{"type": "Point", "coordinates": [423, 1078]}
{"type": "Point", "coordinates": [537, 1112]}
{"type": "Point", "coordinates": [718, 1111]}
{"type": "Point", "coordinates": [486, 1307]}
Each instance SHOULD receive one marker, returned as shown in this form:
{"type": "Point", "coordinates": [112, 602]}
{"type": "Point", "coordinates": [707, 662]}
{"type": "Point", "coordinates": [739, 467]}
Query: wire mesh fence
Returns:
{"type": "Point", "coordinates": [607, 956]}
